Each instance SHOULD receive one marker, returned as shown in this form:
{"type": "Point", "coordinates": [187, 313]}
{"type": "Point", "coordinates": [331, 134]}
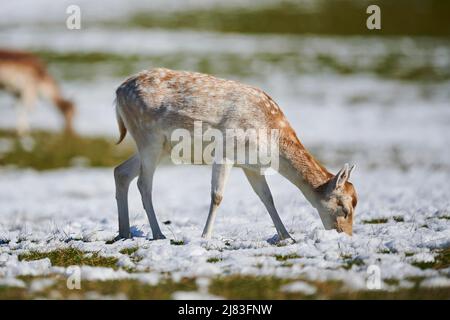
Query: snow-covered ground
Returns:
{"type": "Point", "coordinates": [397, 132]}
{"type": "Point", "coordinates": [75, 207]}
{"type": "Point", "coordinates": [397, 136]}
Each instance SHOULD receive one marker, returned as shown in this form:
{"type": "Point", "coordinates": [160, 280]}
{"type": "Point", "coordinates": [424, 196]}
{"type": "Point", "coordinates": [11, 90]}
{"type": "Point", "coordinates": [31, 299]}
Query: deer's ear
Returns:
{"type": "Point", "coordinates": [351, 170]}
{"type": "Point", "coordinates": [341, 177]}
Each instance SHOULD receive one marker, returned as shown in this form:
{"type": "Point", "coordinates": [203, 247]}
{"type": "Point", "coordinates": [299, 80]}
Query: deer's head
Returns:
{"type": "Point", "coordinates": [337, 201]}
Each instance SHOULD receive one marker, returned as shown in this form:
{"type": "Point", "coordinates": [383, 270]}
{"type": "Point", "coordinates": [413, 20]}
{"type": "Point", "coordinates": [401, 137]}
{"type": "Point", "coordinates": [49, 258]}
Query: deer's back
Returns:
{"type": "Point", "coordinates": [20, 69]}
{"type": "Point", "coordinates": [176, 99]}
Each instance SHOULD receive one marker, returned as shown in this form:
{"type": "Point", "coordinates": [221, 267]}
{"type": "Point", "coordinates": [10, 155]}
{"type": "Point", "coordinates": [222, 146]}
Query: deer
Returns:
{"type": "Point", "coordinates": [154, 102]}
{"type": "Point", "coordinates": [25, 76]}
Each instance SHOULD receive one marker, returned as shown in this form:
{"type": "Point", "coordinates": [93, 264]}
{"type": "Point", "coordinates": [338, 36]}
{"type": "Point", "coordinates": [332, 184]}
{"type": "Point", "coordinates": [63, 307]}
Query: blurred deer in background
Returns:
{"type": "Point", "coordinates": [154, 103]}
{"type": "Point", "coordinates": [25, 76]}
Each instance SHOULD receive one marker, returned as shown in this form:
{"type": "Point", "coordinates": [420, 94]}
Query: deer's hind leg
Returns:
{"type": "Point", "coordinates": [123, 175]}
{"type": "Point", "coordinates": [259, 185]}
{"type": "Point", "coordinates": [149, 154]}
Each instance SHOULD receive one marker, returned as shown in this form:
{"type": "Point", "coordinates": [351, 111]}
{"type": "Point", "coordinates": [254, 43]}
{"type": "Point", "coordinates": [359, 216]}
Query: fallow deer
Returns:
{"type": "Point", "coordinates": [153, 103]}
{"type": "Point", "coordinates": [25, 76]}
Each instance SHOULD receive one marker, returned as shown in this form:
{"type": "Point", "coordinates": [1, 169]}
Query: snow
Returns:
{"type": "Point", "coordinates": [41, 284]}
{"type": "Point", "coordinates": [396, 132]}
{"type": "Point", "coordinates": [194, 295]}
{"type": "Point", "coordinates": [80, 212]}
{"type": "Point", "coordinates": [101, 273]}
{"type": "Point", "coordinates": [12, 282]}
{"type": "Point", "coordinates": [403, 169]}
{"type": "Point", "coordinates": [436, 282]}
{"type": "Point", "coordinates": [300, 286]}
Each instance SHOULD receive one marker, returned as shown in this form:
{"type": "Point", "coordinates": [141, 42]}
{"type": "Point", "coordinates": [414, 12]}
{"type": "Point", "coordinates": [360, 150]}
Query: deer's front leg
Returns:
{"type": "Point", "coordinates": [24, 105]}
{"type": "Point", "coordinates": [220, 174]}
{"type": "Point", "coordinates": [259, 185]}
{"type": "Point", "coordinates": [123, 175]}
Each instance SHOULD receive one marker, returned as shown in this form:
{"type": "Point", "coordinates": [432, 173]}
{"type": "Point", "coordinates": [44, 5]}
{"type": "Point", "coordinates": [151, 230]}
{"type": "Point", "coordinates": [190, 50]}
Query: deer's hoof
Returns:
{"type": "Point", "coordinates": [206, 236]}
{"type": "Point", "coordinates": [281, 241]}
{"type": "Point", "coordinates": [159, 237]}
{"type": "Point", "coordinates": [121, 237]}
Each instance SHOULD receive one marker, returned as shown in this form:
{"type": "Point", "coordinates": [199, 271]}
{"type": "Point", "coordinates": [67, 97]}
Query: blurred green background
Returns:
{"type": "Point", "coordinates": [388, 88]}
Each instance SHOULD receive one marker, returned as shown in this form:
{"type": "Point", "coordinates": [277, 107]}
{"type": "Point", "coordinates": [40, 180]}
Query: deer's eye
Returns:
{"type": "Point", "coordinates": [343, 208]}
{"type": "Point", "coordinates": [346, 212]}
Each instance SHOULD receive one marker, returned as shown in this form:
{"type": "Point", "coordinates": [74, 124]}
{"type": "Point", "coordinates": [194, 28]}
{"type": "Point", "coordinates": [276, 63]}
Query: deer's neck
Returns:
{"type": "Point", "coordinates": [300, 167]}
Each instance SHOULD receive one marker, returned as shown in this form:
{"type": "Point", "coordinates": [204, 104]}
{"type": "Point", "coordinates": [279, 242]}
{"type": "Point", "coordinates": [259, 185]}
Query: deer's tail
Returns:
{"type": "Point", "coordinates": [122, 128]}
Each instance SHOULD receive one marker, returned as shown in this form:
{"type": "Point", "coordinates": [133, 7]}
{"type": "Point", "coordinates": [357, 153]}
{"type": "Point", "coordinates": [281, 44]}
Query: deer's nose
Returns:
{"type": "Point", "coordinates": [342, 225]}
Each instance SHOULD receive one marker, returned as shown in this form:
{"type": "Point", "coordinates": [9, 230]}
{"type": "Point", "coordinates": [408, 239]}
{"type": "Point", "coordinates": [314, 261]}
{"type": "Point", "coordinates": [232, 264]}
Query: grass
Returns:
{"type": "Point", "coordinates": [392, 282]}
{"type": "Point", "coordinates": [375, 221]}
{"type": "Point", "coordinates": [230, 287]}
{"type": "Point", "coordinates": [176, 242]}
{"type": "Point", "coordinates": [391, 64]}
{"type": "Point", "coordinates": [286, 257]}
{"type": "Point", "coordinates": [247, 287]}
{"type": "Point", "coordinates": [134, 257]}
{"type": "Point", "coordinates": [70, 257]}
{"type": "Point", "coordinates": [337, 17]}
{"type": "Point", "coordinates": [131, 289]}
{"type": "Point", "coordinates": [129, 251]}
{"type": "Point", "coordinates": [72, 150]}
{"type": "Point", "coordinates": [441, 261]}
{"type": "Point", "coordinates": [350, 261]}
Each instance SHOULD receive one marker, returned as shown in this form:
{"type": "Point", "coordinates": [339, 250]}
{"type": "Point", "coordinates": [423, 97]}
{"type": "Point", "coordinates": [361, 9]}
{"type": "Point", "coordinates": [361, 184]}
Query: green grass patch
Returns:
{"type": "Point", "coordinates": [441, 261]}
{"type": "Point", "coordinates": [129, 251]}
{"type": "Point", "coordinates": [214, 260]}
{"type": "Point", "coordinates": [334, 17]}
{"type": "Point", "coordinates": [176, 242]}
{"type": "Point", "coordinates": [286, 257]}
{"type": "Point", "coordinates": [247, 287]}
{"type": "Point", "coordinates": [287, 264]}
{"type": "Point", "coordinates": [391, 282]}
{"type": "Point", "coordinates": [399, 219]}
{"type": "Point", "coordinates": [375, 221]}
{"type": "Point", "coordinates": [50, 150]}
{"type": "Point", "coordinates": [229, 287]}
{"type": "Point", "coordinates": [392, 63]}
{"type": "Point", "coordinates": [70, 257]}
{"type": "Point", "coordinates": [132, 289]}
{"type": "Point", "coordinates": [133, 256]}
{"type": "Point", "coordinates": [350, 262]}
